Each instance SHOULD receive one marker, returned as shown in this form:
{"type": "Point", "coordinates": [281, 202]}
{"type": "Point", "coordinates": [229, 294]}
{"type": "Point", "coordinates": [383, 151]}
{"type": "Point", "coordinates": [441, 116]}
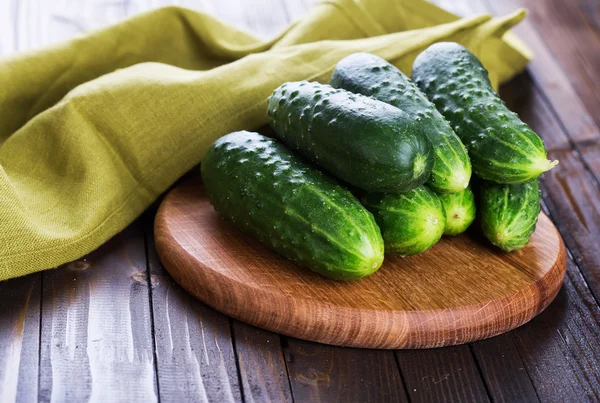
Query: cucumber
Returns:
{"type": "Point", "coordinates": [411, 222]}
{"type": "Point", "coordinates": [367, 143]}
{"type": "Point", "coordinates": [370, 75]}
{"type": "Point", "coordinates": [509, 213]}
{"type": "Point", "coordinates": [291, 207]}
{"type": "Point", "coordinates": [502, 148]}
{"type": "Point", "coordinates": [460, 211]}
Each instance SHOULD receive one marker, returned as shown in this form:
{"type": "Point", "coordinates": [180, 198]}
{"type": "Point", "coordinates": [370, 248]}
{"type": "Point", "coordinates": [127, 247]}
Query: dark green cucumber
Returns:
{"type": "Point", "coordinates": [460, 211]}
{"type": "Point", "coordinates": [411, 222]}
{"type": "Point", "coordinates": [362, 141]}
{"type": "Point", "coordinates": [502, 148]}
{"type": "Point", "coordinates": [370, 75]}
{"type": "Point", "coordinates": [290, 206]}
{"type": "Point", "coordinates": [509, 213]}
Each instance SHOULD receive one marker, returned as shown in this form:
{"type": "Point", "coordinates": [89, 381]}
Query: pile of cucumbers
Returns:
{"type": "Point", "coordinates": [376, 162]}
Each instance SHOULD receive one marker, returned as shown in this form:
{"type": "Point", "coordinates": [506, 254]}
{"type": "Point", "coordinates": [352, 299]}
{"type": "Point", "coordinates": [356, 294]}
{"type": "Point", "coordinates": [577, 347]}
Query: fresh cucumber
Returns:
{"type": "Point", "coordinates": [460, 211]}
{"type": "Point", "coordinates": [502, 148]}
{"type": "Point", "coordinates": [367, 143]}
{"type": "Point", "coordinates": [370, 75]}
{"type": "Point", "coordinates": [411, 222]}
{"type": "Point", "coordinates": [290, 206]}
{"type": "Point", "coordinates": [509, 213]}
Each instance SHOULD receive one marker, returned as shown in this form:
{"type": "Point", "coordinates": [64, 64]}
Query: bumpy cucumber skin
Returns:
{"type": "Point", "coordinates": [362, 141]}
{"type": "Point", "coordinates": [291, 207]}
{"type": "Point", "coordinates": [509, 213]}
{"type": "Point", "coordinates": [460, 211]}
{"type": "Point", "coordinates": [411, 222]}
{"type": "Point", "coordinates": [502, 148]}
{"type": "Point", "coordinates": [370, 75]}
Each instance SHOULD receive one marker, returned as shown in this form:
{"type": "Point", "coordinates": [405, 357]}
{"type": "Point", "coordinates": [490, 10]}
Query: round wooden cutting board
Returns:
{"type": "Point", "coordinates": [463, 289]}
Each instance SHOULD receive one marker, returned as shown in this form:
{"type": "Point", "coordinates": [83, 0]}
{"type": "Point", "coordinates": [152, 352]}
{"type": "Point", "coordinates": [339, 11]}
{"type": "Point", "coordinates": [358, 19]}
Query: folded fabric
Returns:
{"type": "Point", "coordinates": [93, 130]}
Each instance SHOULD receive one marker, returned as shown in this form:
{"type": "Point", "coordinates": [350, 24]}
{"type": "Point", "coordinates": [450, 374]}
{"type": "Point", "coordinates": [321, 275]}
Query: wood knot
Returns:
{"type": "Point", "coordinates": [142, 278]}
{"type": "Point", "coordinates": [79, 265]}
{"type": "Point", "coordinates": [312, 377]}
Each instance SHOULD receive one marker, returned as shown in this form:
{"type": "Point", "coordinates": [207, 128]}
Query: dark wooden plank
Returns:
{"type": "Point", "coordinates": [442, 375]}
{"type": "Point", "coordinates": [258, 353]}
{"type": "Point", "coordinates": [571, 36]}
{"type": "Point", "coordinates": [574, 198]}
{"type": "Point", "coordinates": [591, 155]}
{"type": "Point", "coordinates": [261, 364]}
{"type": "Point", "coordinates": [19, 338]}
{"type": "Point", "coordinates": [561, 347]}
{"type": "Point", "coordinates": [320, 373]}
{"type": "Point", "coordinates": [546, 69]}
{"type": "Point", "coordinates": [555, 84]}
{"type": "Point", "coordinates": [96, 330]}
{"type": "Point", "coordinates": [194, 348]}
{"type": "Point", "coordinates": [503, 370]}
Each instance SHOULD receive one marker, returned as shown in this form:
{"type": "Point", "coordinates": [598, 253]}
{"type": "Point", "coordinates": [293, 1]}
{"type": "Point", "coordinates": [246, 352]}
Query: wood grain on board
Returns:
{"type": "Point", "coordinates": [463, 289]}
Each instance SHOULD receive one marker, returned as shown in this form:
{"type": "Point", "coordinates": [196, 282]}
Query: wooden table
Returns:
{"type": "Point", "coordinates": [114, 327]}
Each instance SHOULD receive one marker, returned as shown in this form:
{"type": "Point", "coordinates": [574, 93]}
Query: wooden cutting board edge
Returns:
{"type": "Point", "coordinates": [351, 327]}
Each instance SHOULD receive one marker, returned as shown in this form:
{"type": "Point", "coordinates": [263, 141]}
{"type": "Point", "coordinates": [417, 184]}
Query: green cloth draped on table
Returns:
{"type": "Point", "coordinates": [93, 130]}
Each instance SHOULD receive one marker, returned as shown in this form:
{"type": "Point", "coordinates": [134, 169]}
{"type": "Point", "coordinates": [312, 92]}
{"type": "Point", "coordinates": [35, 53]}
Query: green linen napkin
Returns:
{"type": "Point", "coordinates": [93, 130]}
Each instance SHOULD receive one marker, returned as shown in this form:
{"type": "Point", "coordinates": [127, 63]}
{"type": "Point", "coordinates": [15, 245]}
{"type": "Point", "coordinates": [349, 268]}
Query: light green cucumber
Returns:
{"type": "Point", "coordinates": [410, 222]}
{"type": "Point", "coordinates": [460, 211]}
{"type": "Point", "coordinates": [509, 213]}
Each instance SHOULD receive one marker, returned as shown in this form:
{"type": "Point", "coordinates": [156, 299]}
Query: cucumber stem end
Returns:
{"type": "Point", "coordinates": [419, 165]}
{"type": "Point", "coordinates": [544, 165]}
